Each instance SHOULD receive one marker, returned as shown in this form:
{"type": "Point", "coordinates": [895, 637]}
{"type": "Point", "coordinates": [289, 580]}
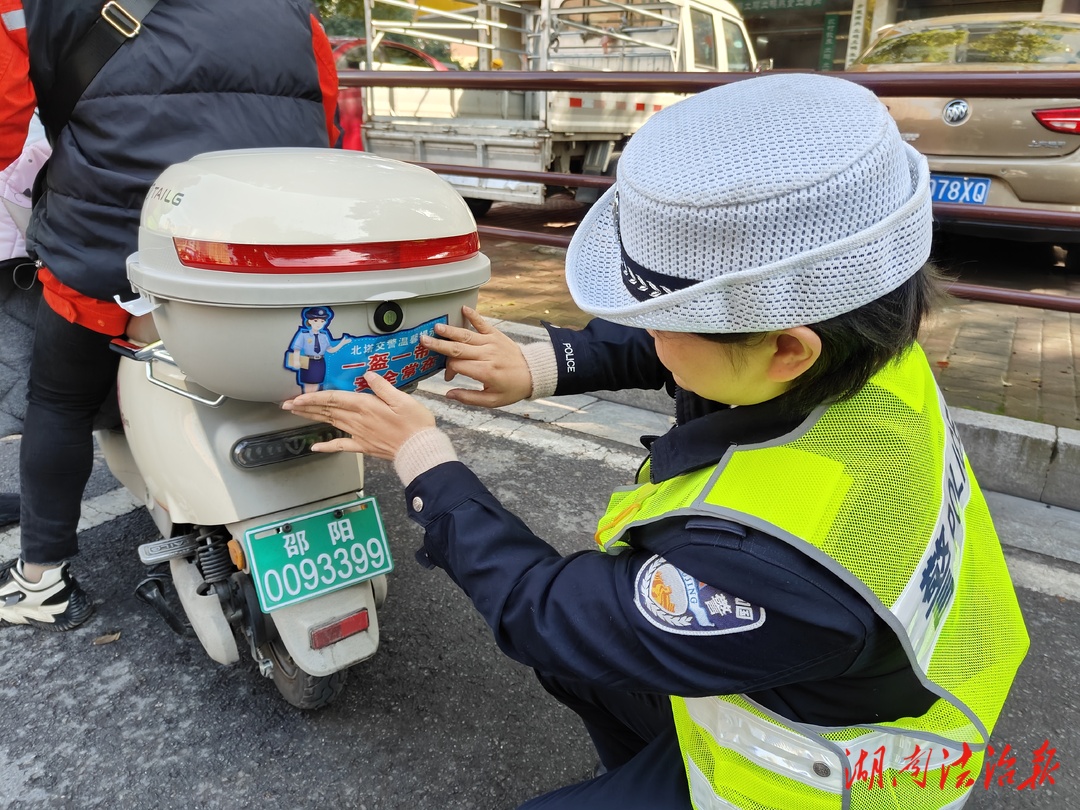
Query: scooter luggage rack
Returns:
{"type": "Point", "coordinates": [156, 351]}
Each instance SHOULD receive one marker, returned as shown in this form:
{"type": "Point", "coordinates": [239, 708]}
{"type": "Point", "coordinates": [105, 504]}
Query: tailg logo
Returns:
{"type": "Point", "coordinates": [166, 195]}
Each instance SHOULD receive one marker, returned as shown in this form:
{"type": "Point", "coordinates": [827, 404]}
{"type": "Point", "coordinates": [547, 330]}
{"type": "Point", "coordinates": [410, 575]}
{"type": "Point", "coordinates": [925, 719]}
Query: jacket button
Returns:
{"type": "Point", "coordinates": [417, 504]}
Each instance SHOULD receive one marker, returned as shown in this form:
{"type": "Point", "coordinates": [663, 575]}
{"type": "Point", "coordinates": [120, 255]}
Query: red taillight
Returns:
{"type": "Point", "coordinates": [338, 630]}
{"type": "Point", "coordinates": [1065, 120]}
{"type": "Point", "coordinates": [325, 258]}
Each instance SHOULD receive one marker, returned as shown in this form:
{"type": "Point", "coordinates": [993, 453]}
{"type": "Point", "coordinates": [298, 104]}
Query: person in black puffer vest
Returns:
{"type": "Point", "coordinates": [201, 76]}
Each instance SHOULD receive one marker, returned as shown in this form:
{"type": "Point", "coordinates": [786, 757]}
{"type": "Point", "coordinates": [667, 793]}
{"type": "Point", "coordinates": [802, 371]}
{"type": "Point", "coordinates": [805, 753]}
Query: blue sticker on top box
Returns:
{"type": "Point", "coordinates": [323, 362]}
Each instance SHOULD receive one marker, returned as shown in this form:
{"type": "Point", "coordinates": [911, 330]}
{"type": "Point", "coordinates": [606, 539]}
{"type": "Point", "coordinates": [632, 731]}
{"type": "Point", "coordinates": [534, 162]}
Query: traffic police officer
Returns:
{"type": "Point", "coordinates": [795, 600]}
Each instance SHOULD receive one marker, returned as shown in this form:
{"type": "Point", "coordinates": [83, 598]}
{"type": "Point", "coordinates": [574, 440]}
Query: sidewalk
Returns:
{"type": "Point", "coordinates": [1008, 372]}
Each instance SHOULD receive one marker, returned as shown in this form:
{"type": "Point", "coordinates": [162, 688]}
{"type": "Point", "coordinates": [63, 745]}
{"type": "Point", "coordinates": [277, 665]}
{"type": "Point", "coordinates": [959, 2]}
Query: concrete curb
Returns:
{"type": "Point", "coordinates": [1028, 460]}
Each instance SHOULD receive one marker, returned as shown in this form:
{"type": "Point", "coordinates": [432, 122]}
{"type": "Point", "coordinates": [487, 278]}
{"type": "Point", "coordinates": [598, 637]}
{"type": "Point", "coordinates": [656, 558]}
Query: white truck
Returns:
{"type": "Point", "coordinates": [544, 131]}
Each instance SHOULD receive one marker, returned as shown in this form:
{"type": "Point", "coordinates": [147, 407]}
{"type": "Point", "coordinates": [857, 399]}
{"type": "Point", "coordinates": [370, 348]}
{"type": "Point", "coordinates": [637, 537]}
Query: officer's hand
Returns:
{"type": "Point", "coordinates": [378, 425]}
{"type": "Point", "coordinates": [486, 355]}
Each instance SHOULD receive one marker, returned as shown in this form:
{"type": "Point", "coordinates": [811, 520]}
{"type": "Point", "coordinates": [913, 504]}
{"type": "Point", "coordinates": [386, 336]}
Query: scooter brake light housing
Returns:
{"type": "Point", "coordinates": [359, 257]}
{"type": "Point", "coordinates": [283, 445]}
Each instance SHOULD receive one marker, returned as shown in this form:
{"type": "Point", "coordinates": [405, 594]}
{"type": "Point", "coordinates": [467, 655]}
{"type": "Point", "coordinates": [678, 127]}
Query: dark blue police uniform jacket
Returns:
{"type": "Point", "coordinates": [765, 620]}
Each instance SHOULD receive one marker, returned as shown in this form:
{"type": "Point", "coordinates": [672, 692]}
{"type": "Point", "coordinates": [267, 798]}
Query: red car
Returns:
{"type": "Point", "coordinates": [351, 54]}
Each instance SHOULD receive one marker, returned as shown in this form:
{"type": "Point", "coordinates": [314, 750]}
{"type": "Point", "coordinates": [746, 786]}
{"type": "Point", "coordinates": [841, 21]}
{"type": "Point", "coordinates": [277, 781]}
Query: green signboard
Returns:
{"type": "Point", "coordinates": [828, 42]}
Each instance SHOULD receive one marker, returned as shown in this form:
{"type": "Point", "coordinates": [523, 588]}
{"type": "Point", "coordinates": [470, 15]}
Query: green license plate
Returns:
{"type": "Point", "coordinates": [303, 557]}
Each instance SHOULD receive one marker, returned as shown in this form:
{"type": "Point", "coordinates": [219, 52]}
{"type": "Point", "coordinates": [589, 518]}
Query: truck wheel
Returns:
{"type": "Point", "coordinates": [300, 689]}
{"type": "Point", "coordinates": [479, 208]}
{"type": "Point", "coordinates": [590, 195]}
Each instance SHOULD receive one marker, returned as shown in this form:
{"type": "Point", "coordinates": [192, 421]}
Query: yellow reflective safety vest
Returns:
{"type": "Point", "coordinates": [878, 490]}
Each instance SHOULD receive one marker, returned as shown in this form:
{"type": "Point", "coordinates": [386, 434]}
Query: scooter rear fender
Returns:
{"type": "Point", "coordinates": [295, 624]}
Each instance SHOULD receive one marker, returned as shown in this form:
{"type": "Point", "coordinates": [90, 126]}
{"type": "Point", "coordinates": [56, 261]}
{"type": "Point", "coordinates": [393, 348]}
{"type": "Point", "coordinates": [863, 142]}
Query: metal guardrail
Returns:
{"type": "Point", "coordinates": [1033, 84]}
{"type": "Point", "coordinates": [1001, 295]}
{"type": "Point", "coordinates": [1030, 84]}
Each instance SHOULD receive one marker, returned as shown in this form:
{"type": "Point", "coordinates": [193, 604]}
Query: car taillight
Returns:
{"type": "Point", "coordinates": [325, 258]}
{"type": "Point", "coordinates": [339, 630]}
{"type": "Point", "coordinates": [1064, 120]}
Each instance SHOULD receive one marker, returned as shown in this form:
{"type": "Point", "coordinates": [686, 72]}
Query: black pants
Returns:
{"type": "Point", "coordinates": [72, 372]}
{"type": "Point", "coordinates": [635, 738]}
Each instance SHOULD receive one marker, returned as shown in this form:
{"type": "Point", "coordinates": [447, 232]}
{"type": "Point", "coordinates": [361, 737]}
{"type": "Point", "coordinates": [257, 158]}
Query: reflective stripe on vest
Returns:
{"type": "Point", "coordinates": [879, 478]}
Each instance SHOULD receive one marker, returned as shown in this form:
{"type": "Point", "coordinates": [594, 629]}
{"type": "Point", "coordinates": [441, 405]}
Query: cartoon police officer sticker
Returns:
{"type": "Point", "coordinates": [310, 345]}
{"type": "Point", "coordinates": [322, 362]}
{"type": "Point", "coordinates": [674, 601]}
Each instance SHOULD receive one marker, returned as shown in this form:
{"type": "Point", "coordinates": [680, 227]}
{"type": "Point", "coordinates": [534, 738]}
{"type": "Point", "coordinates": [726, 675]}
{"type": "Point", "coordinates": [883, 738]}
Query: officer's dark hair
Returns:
{"type": "Point", "coordinates": [857, 344]}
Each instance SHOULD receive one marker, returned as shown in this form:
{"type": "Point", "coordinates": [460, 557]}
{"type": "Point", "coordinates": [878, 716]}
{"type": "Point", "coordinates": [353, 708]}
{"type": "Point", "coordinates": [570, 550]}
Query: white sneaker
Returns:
{"type": "Point", "coordinates": [55, 603]}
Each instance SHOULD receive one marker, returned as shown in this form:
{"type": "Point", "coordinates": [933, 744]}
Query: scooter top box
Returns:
{"type": "Point", "coordinates": [276, 271]}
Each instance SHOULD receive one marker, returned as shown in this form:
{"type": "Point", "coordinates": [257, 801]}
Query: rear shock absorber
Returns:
{"type": "Point", "coordinates": [219, 574]}
{"type": "Point", "coordinates": [212, 559]}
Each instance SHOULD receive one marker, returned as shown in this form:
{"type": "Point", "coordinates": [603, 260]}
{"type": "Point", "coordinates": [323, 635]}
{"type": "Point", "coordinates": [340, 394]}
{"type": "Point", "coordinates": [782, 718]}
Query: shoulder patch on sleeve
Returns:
{"type": "Point", "coordinates": [676, 602]}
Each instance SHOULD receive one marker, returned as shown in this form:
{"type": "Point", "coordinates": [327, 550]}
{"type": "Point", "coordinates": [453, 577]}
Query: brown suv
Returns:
{"type": "Point", "coordinates": [1013, 153]}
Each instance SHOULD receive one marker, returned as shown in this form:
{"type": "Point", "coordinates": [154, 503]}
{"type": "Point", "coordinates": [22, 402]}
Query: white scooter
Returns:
{"type": "Point", "coordinates": [245, 260]}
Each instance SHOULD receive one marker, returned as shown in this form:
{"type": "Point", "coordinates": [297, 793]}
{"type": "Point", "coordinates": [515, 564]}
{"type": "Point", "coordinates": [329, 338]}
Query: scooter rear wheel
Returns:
{"type": "Point", "coordinates": [301, 689]}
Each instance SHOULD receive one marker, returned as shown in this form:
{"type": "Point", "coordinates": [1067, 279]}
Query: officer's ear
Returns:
{"type": "Point", "coordinates": [794, 351]}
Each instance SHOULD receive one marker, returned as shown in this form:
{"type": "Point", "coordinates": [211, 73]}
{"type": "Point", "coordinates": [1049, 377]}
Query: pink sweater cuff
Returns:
{"type": "Point", "coordinates": [540, 357]}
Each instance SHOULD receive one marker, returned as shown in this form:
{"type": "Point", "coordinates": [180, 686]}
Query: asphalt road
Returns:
{"type": "Point", "coordinates": [438, 719]}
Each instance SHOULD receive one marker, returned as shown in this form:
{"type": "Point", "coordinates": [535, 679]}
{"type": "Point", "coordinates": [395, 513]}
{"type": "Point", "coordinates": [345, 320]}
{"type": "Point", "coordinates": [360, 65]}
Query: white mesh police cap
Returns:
{"type": "Point", "coordinates": [768, 203]}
